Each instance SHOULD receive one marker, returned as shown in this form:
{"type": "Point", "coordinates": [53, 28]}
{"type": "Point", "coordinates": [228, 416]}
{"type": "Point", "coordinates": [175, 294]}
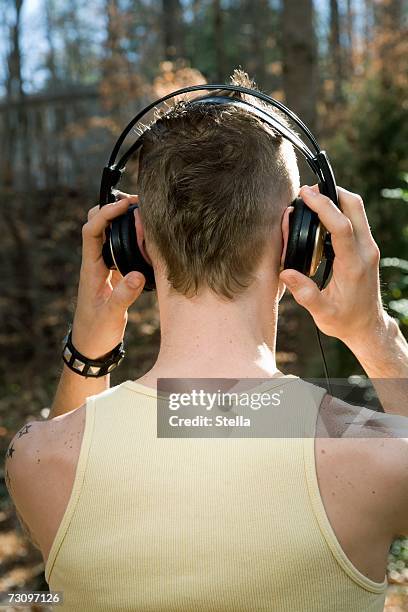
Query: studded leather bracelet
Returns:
{"type": "Point", "coordinates": [94, 368]}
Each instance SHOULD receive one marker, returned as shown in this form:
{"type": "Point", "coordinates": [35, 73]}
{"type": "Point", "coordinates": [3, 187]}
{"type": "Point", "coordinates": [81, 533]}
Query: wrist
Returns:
{"type": "Point", "coordinates": [378, 347]}
{"type": "Point", "coordinates": [91, 343]}
{"type": "Point", "coordinates": [91, 367]}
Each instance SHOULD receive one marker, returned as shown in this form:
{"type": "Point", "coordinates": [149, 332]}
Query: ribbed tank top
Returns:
{"type": "Point", "coordinates": [200, 524]}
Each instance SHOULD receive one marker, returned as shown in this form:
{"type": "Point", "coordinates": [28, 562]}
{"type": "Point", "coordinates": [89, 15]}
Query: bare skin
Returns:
{"type": "Point", "coordinates": [363, 482]}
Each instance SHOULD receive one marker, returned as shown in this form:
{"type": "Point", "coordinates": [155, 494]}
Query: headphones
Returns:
{"type": "Point", "coordinates": [308, 242]}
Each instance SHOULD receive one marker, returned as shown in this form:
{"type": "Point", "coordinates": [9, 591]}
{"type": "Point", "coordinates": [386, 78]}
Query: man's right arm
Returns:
{"type": "Point", "coordinates": [384, 358]}
{"type": "Point", "coordinates": [350, 306]}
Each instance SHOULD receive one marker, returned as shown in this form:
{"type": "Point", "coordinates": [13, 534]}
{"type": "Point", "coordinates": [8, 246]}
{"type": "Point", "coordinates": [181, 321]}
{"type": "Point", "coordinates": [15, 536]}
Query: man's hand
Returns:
{"type": "Point", "coordinates": [350, 307]}
{"type": "Point", "coordinates": [101, 311]}
{"type": "Point", "coordinates": [103, 295]}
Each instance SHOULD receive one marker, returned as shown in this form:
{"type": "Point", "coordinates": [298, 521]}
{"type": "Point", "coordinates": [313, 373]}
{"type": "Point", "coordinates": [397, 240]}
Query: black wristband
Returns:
{"type": "Point", "coordinates": [94, 368]}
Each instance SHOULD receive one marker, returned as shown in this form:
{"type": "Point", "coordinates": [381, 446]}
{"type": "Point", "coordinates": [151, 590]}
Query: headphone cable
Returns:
{"type": "Point", "coordinates": [326, 273]}
{"type": "Point", "coordinates": [326, 372]}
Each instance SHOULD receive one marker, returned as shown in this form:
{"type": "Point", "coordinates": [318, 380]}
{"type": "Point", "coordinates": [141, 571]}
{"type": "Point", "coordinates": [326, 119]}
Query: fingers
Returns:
{"type": "Point", "coordinates": [305, 292]}
{"type": "Point", "coordinates": [115, 278]}
{"type": "Point", "coordinates": [351, 234]}
{"type": "Point", "coordinates": [337, 223]}
{"type": "Point", "coordinates": [98, 220]}
{"type": "Point", "coordinates": [121, 194]}
{"type": "Point", "coordinates": [353, 207]}
{"type": "Point", "coordinates": [93, 211]}
{"type": "Point", "coordinates": [127, 291]}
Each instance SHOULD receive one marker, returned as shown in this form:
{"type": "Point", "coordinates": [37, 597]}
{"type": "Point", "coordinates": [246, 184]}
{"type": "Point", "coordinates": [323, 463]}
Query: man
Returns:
{"type": "Point", "coordinates": [128, 521]}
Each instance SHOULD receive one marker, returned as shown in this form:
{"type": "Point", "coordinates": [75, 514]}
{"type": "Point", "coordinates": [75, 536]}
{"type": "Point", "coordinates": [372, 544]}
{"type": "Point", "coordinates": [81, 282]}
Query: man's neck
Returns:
{"type": "Point", "coordinates": [209, 337]}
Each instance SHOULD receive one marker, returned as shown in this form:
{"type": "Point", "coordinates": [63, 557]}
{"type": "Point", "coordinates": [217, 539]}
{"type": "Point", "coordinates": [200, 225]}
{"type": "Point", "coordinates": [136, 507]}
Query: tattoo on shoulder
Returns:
{"type": "Point", "coordinates": [24, 430]}
{"type": "Point", "coordinates": [21, 432]}
{"type": "Point", "coordinates": [10, 451]}
{"type": "Point", "coordinates": [13, 446]}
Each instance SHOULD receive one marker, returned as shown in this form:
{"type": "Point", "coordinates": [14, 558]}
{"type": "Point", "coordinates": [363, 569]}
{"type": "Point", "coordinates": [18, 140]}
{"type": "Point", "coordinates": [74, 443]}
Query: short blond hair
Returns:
{"type": "Point", "coordinates": [213, 182]}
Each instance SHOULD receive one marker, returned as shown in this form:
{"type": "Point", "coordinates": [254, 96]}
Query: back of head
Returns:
{"type": "Point", "coordinates": [213, 183]}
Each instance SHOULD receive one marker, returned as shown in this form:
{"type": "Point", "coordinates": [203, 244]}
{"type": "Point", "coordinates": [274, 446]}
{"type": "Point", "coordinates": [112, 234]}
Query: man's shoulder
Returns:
{"type": "Point", "coordinates": [40, 458]}
{"type": "Point", "coordinates": [338, 418]}
{"type": "Point", "coordinates": [371, 447]}
{"type": "Point", "coordinates": [45, 437]}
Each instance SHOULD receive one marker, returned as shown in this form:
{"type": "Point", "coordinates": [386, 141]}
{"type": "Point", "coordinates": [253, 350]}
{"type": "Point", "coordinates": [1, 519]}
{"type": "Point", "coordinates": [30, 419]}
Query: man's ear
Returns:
{"type": "Point", "coordinates": [285, 235]}
{"type": "Point", "coordinates": [140, 236]}
{"type": "Point", "coordinates": [285, 232]}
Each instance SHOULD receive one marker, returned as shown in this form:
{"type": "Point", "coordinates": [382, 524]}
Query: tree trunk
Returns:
{"type": "Point", "coordinates": [368, 29]}
{"type": "Point", "coordinates": [336, 53]}
{"type": "Point", "coordinates": [350, 37]}
{"type": "Point", "coordinates": [194, 47]}
{"type": "Point", "coordinates": [219, 41]}
{"type": "Point", "coordinates": [14, 80]}
{"type": "Point", "coordinates": [15, 127]}
{"type": "Point", "coordinates": [173, 30]}
{"type": "Point", "coordinates": [49, 32]}
{"type": "Point", "coordinates": [391, 33]}
{"type": "Point", "coordinates": [260, 17]}
{"type": "Point", "coordinates": [299, 53]}
{"type": "Point", "coordinates": [112, 35]}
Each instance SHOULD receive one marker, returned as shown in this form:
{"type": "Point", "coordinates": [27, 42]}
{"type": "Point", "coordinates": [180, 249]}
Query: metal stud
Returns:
{"type": "Point", "coordinates": [111, 367]}
{"type": "Point", "coordinates": [67, 354]}
{"type": "Point", "coordinates": [78, 365]}
{"type": "Point", "coordinates": [93, 370]}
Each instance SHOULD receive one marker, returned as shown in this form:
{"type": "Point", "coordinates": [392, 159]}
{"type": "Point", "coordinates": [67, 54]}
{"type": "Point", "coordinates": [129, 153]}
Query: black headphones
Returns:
{"type": "Point", "coordinates": [308, 241]}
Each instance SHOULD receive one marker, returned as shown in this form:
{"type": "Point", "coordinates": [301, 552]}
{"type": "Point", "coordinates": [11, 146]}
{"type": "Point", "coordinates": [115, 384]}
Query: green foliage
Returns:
{"type": "Point", "coordinates": [397, 565]}
{"type": "Point", "coordinates": [395, 269]}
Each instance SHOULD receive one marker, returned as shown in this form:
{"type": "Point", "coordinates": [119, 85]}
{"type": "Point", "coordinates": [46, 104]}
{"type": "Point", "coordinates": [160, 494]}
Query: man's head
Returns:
{"type": "Point", "coordinates": [213, 184]}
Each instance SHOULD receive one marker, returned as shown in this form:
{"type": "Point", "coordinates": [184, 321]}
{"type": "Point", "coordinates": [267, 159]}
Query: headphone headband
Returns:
{"type": "Point", "coordinates": [317, 161]}
{"type": "Point", "coordinates": [213, 87]}
{"type": "Point", "coordinates": [262, 114]}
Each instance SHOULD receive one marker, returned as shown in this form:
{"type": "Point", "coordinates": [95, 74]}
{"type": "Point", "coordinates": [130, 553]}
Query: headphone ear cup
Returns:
{"type": "Point", "coordinates": [300, 250]}
{"type": "Point", "coordinates": [125, 249]}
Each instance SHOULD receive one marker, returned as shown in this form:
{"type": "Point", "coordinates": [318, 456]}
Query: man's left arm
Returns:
{"type": "Point", "coordinates": [101, 311]}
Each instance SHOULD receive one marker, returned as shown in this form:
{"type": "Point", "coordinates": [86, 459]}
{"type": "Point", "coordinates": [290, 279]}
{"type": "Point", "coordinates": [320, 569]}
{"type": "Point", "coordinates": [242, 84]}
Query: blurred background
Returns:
{"type": "Point", "coordinates": [73, 73]}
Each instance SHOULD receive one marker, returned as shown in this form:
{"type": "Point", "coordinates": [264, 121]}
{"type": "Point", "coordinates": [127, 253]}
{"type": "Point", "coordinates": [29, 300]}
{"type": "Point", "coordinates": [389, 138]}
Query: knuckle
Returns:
{"type": "Point", "coordinates": [92, 211]}
{"type": "Point", "coordinates": [352, 198]}
{"type": "Point", "coordinates": [85, 230]}
{"type": "Point", "coordinates": [358, 200]}
{"type": "Point", "coordinates": [357, 271]}
{"type": "Point", "coordinates": [345, 227]}
{"type": "Point", "coordinates": [324, 199]}
{"type": "Point", "coordinates": [306, 297]}
{"type": "Point", "coordinates": [373, 254]}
